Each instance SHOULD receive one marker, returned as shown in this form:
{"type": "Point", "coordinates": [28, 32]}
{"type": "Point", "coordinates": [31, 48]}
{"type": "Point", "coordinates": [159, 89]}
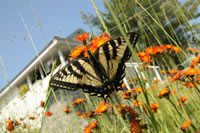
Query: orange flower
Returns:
{"type": "Point", "coordinates": [89, 128]}
{"type": "Point", "coordinates": [136, 127]}
{"type": "Point", "coordinates": [164, 93]}
{"type": "Point", "coordinates": [47, 113]}
{"type": "Point", "coordinates": [10, 127]}
{"type": "Point", "coordinates": [146, 59]}
{"type": "Point", "coordinates": [141, 54]}
{"type": "Point", "coordinates": [101, 107]}
{"type": "Point", "coordinates": [189, 84]}
{"type": "Point", "coordinates": [168, 46]}
{"type": "Point", "coordinates": [90, 114]}
{"type": "Point", "coordinates": [193, 50]}
{"type": "Point", "coordinates": [176, 49]}
{"type": "Point", "coordinates": [196, 61]}
{"type": "Point", "coordinates": [186, 124]}
{"type": "Point", "coordinates": [67, 110]}
{"type": "Point", "coordinates": [191, 72]}
{"type": "Point", "coordinates": [31, 117]}
{"type": "Point", "coordinates": [78, 113]}
{"type": "Point", "coordinates": [137, 103]}
{"type": "Point", "coordinates": [129, 93]}
{"type": "Point", "coordinates": [149, 50]}
{"type": "Point", "coordinates": [42, 103]}
{"type": "Point", "coordinates": [78, 101]}
{"type": "Point", "coordinates": [182, 100]}
{"type": "Point", "coordinates": [98, 41]}
{"type": "Point", "coordinates": [17, 122]}
{"type": "Point", "coordinates": [83, 115]}
{"type": "Point", "coordinates": [139, 89]}
{"type": "Point", "coordinates": [67, 106]}
{"type": "Point", "coordinates": [123, 85]}
{"type": "Point", "coordinates": [124, 96]}
{"type": "Point", "coordinates": [79, 51]}
{"type": "Point", "coordinates": [29, 126]}
{"type": "Point", "coordinates": [127, 109]}
{"type": "Point", "coordinates": [156, 81]}
{"type": "Point", "coordinates": [82, 37]}
{"type": "Point", "coordinates": [154, 107]}
{"type": "Point", "coordinates": [174, 91]}
{"type": "Point", "coordinates": [163, 71]}
{"type": "Point", "coordinates": [24, 125]}
{"type": "Point", "coordinates": [9, 121]}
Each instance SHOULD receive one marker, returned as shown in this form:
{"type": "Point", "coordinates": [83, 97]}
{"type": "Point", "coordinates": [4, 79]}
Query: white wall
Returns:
{"type": "Point", "coordinates": [28, 105]}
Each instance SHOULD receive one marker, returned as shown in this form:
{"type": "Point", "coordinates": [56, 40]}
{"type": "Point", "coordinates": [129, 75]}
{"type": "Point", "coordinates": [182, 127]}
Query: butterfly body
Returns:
{"type": "Point", "coordinates": [101, 73]}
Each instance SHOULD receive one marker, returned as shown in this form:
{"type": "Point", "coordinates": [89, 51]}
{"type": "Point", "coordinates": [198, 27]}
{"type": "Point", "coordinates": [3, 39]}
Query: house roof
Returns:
{"type": "Point", "coordinates": [52, 46]}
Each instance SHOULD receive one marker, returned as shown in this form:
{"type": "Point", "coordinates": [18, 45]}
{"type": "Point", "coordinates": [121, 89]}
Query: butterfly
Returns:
{"type": "Point", "coordinates": [100, 73]}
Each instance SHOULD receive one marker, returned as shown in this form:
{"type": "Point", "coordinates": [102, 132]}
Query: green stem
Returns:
{"type": "Point", "coordinates": [196, 88]}
{"type": "Point", "coordinates": [115, 110]}
{"type": "Point", "coordinates": [175, 107]}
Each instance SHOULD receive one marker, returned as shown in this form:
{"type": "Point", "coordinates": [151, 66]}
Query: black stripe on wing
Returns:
{"type": "Point", "coordinates": [70, 76]}
{"type": "Point", "coordinates": [133, 37]}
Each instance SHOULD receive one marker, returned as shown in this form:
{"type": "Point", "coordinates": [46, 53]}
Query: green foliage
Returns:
{"type": "Point", "coordinates": [22, 90]}
{"type": "Point", "coordinates": [157, 22]}
{"type": "Point", "coordinates": [172, 15]}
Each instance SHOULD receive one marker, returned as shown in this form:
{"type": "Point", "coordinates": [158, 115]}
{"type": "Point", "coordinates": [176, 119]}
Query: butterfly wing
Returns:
{"type": "Point", "coordinates": [77, 74]}
{"type": "Point", "coordinates": [113, 54]}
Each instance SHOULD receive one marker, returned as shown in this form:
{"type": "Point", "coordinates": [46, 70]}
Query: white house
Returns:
{"type": "Point", "coordinates": [36, 75]}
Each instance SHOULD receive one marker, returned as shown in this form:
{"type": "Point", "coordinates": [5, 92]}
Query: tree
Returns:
{"type": "Point", "coordinates": [171, 23]}
{"type": "Point", "coordinates": [157, 21]}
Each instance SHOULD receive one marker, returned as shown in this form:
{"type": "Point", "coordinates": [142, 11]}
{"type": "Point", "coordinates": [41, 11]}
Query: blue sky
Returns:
{"type": "Point", "coordinates": [57, 18]}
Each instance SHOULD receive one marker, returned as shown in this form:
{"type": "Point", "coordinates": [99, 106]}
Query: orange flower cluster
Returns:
{"type": "Point", "coordinates": [191, 72]}
{"type": "Point", "coordinates": [79, 101]}
{"type": "Point", "coordinates": [10, 124]}
{"type": "Point", "coordinates": [185, 76]}
{"type": "Point", "coordinates": [42, 104]}
{"type": "Point", "coordinates": [154, 107]}
{"type": "Point", "coordinates": [196, 60]}
{"type": "Point", "coordinates": [146, 56]}
{"type": "Point", "coordinates": [67, 110]}
{"type": "Point", "coordinates": [78, 113]}
{"type": "Point", "coordinates": [186, 124]}
{"type": "Point", "coordinates": [182, 100]}
{"type": "Point", "coordinates": [81, 51]}
{"type": "Point", "coordinates": [48, 113]}
{"type": "Point", "coordinates": [123, 85]}
{"type": "Point", "coordinates": [31, 117]}
{"type": "Point", "coordinates": [164, 93]}
{"type": "Point", "coordinates": [134, 124]}
{"type": "Point", "coordinates": [128, 94]}
{"type": "Point", "coordinates": [137, 103]}
{"type": "Point", "coordinates": [89, 128]}
{"type": "Point", "coordinates": [82, 37]}
{"type": "Point", "coordinates": [189, 84]}
{"type": "Point", "coordinates": [10, 127]}
{"type": "Point", "coordinates": [136, 127]}
{"type": "Point", "coordinates": [98, 41]}
{"type": "Point", "coordinates": [102, 107]}
{"type": "Point", "coordinates": [193, 50]}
